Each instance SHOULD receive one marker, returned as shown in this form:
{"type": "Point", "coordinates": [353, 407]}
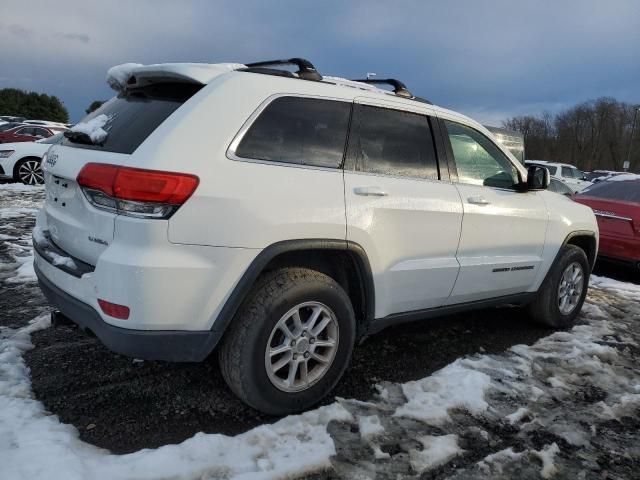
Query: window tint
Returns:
{"type": "Point", "coordinates": [478, 160]}
{"type": "Point", "coordinates": [25, 131]}
{"type": "Point", "coordinates": [42, 132]}
{"type": "Point", "coordinates": [392, 142]}
{"type": "Point", "coordinates": [135, 114]}
{"type": "Point", "coordinates": [304, 131]}
{"type": "Point", "coordinates": [552, 170]}
{"type": "Point", "coordinates": [626, 191]}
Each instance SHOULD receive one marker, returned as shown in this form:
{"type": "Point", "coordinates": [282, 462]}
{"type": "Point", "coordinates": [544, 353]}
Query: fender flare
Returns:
{"type": "Point", "coordinates": [251, 274]}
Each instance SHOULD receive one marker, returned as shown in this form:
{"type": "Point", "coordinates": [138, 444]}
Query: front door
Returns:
{"type": "Point", "coordinates": [503, 230]}
{"type": "Point", "coordinates": [399, 210]}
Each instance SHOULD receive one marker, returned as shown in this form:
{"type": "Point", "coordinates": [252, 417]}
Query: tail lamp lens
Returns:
{"type": "Point", "coordinates": [136, 191]}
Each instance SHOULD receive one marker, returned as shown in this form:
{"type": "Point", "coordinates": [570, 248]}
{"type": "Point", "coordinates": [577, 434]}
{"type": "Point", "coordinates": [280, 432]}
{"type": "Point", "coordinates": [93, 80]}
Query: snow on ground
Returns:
{"type": "Point", "coordinates": [565, 406]}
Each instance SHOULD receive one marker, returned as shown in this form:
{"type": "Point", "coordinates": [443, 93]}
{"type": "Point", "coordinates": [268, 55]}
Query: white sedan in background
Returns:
{"type": "Point", "coordinates": [21, 161]}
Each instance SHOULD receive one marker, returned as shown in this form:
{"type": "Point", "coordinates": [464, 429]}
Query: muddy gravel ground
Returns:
{"type": "Point", "coordinates": [125, 405]}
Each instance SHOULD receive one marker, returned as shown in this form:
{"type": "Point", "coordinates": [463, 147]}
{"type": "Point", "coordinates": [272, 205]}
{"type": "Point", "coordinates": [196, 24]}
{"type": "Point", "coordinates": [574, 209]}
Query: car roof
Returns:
{"type": "Point", "coordinates": [133, 75]}
{"type": "Point", "coordinates": [204, 73]}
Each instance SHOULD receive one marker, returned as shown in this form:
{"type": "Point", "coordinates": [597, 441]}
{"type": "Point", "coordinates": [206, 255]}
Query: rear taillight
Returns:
{"type": "Point", "coordinates": [134, 191]}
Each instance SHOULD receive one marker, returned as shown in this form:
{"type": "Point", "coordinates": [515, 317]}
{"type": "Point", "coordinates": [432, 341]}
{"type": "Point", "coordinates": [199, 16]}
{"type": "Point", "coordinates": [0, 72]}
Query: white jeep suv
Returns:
{"type": "Point", "coordinates": [279, 217]}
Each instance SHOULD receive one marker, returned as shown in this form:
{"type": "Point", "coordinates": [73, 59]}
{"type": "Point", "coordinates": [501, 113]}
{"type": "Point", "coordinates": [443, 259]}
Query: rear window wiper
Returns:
{"type": "Point", "coordinates": [78, 137]}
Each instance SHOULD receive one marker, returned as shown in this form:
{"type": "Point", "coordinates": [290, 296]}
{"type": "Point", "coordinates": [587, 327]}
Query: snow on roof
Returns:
{"type": "Point", "coordinates": [203, 73]}
{"type": "Point", "coordinates": [344, 82]}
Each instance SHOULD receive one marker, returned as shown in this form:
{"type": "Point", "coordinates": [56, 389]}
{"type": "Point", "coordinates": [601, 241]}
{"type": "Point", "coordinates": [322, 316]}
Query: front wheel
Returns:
{"type": "Point", "coordinates": [29, 172]}
{"type": "Point", "coordinates": [290, 342]}
{"type": "Point", "coordinates": [562, 294]}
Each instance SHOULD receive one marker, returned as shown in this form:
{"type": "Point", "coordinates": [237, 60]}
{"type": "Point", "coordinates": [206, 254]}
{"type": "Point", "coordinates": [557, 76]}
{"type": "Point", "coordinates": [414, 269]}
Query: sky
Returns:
{"type": "Point", "coordinates": [488, 59]}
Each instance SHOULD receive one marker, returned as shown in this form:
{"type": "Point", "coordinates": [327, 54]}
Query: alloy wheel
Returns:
{"type": "Point", "coordinates": [570, 288]}
{"type": "Point", "coordinates": [30, 173]}
{"type": "Point", "coordinates": [302, 347]}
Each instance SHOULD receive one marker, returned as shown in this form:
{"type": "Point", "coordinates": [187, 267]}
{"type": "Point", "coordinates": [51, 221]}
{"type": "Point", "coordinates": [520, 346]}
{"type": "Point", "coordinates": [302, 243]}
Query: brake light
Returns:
{"type": "Point", "coordinates": [136, 191]}
{"type": "Point", "coordinates": [114, 310]}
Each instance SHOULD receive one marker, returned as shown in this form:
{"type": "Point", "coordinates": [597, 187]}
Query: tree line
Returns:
{"type": "Point", "coordinates": [593, 135]}
{"type": "Point", "coordinates": [32, 105]}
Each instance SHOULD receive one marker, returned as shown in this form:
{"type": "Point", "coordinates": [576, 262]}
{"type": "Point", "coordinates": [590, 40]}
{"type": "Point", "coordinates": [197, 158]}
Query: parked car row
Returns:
{"type": "Point", "coordinates": [24, 142]}
{"type": "Point", "coordinates": [616, 204]}
{"type": "Point", "coordinates": [21, 162]}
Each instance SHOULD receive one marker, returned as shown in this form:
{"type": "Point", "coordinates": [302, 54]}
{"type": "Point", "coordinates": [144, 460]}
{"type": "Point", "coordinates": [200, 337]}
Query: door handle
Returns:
{"type": "Point", "coordinates": [478, 200]}
{"type": "Point", "coordinates": [370, 191]}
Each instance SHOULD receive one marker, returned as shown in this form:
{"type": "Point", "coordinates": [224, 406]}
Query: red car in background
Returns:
{"type": "Point", "coordinates": [27, 133]}
{"type": "Point", "coordinates": [616, 203]}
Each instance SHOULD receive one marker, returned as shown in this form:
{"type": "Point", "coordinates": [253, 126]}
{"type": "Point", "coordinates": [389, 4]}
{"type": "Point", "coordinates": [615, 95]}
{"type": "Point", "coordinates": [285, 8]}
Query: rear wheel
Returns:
{"type": "Point", "coordinates": [29, 171]}
{"type": "Point", "coordinates": [562, 294]}
{"type": "Point", "coordinates": [290, 342]}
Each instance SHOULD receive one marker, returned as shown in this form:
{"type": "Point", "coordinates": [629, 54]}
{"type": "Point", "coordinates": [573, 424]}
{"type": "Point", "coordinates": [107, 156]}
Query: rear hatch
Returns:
{"type": "Point", "coordinates": [75, 225]}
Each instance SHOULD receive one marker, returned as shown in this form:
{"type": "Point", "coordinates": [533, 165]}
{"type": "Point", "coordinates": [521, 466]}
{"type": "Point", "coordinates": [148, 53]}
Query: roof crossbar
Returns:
{"type": "Point", "coordinates": [306, 70]}
{"type": "Point", "coordinates": [399, 88]}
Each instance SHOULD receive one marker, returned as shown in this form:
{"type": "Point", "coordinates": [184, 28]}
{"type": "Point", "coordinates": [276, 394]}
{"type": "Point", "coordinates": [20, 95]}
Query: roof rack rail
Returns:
{"type": "Point", "coordinates": [306, 70]}
{"type": "Point", "coordinates": [399, 88]}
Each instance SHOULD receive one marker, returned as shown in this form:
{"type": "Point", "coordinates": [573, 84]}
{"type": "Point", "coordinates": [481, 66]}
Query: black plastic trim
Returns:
{"type": "Point", "coordinates": [306, 69]}
{"type": "Point", "coordinates": [45, 249]}
{"type": "Point", "coordinates": [399, 318]}
{"type": "Point", "coordinates": [169, 345]}
{"type": "Point", "coordinates": [243, 287]}
{"type": "Point", "coordinates": [399, 88]}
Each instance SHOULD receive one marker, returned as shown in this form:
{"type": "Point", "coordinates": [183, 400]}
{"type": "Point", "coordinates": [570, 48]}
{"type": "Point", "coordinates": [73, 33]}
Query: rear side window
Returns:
{"type": "Point", "coordinates": [552, 170]}
{"type": "Point", "coordinates": [392, 142]}
{"type": "Point", "coordinates": [626, 191]}
{"type": "Point", "coordinates": [135, 114]}
{"type": "Point", "coordinates": [299, 130]}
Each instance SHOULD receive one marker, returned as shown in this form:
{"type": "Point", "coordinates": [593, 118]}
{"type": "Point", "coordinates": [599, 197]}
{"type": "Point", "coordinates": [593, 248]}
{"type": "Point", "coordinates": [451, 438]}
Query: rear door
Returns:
{"type": "Point", "coordinates": [399, 209]}
{"type": "Point", "coordinates": [503, 230]}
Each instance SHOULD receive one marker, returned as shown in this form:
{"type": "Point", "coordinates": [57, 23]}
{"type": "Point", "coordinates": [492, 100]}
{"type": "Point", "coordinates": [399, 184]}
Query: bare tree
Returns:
{"type": "Point", "coordinates": [592, 135]}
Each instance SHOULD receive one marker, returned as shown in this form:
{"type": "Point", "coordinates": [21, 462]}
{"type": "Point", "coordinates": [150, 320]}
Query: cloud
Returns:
{"type": "Point", "coordinates": [490, 59]}
{"type": "Point", "coordinates": [20, 31]}
{"type": "Point", "coordinates": [76, 37]}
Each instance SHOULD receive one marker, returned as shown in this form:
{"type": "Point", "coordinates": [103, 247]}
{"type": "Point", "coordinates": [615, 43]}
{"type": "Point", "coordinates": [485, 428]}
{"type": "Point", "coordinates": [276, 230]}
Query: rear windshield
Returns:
{"type": "Point", "coordinates": [626, 191]}
{"type": "Point", "coordinates": [135, 114]}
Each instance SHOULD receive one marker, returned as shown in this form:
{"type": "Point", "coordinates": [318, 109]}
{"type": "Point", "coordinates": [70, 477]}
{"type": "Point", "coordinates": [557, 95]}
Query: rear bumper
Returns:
{"type": "Point", "coordinates": [169, 345]}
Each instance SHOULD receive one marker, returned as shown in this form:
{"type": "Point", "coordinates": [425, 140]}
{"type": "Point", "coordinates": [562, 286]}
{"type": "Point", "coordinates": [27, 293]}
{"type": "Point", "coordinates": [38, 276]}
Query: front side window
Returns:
{"type": "Point", "coordinates": [478, 160]}
{"type": "Point", "coordinates": [392, 142]}
{"type": "Point", "coordinates": [299, 130]}
{"type": "Point", "coordinates": [25, 131]}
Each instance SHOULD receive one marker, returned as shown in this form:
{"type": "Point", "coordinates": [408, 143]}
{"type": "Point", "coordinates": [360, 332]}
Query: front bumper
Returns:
{"type": "Point", "coordinates": [169, 345]}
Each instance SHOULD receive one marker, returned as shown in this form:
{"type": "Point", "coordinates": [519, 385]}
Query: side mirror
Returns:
{"type": "Point", "coordinates": [538, 178]}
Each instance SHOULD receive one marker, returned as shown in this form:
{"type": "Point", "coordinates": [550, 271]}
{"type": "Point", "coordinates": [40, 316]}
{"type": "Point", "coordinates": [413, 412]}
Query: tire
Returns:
{"type": "Point", "coordinates": [258, 329]}
{"type": "Point", "coordinates": [547, 308]}
{"type": "Point", "coordinates": [29, 171]}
